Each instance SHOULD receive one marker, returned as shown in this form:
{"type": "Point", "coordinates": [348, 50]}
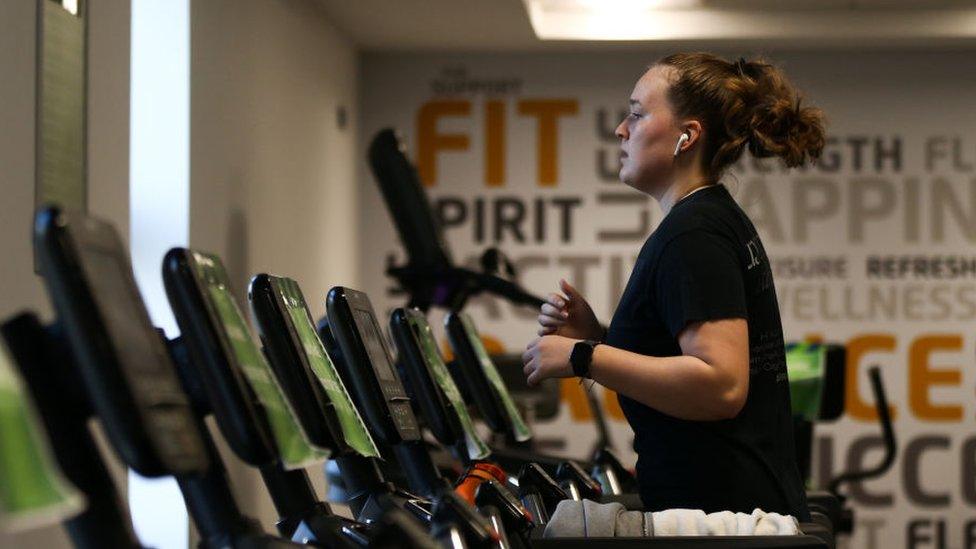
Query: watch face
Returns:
{"type": "Point", "coordinates": [582, 356]}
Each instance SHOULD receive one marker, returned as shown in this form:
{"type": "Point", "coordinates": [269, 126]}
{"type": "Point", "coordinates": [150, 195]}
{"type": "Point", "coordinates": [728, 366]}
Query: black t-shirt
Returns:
{"type": "Point", "coordinates": [705, 262]}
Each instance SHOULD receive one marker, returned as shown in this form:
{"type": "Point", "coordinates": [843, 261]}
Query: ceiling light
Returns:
{"type": "Point", "coordinates": [692, 20]}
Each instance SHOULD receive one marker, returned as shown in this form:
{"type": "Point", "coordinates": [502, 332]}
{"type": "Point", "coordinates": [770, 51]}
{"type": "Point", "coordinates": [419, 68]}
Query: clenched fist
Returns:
{"type": "Point", "coordinates": [546, 357]}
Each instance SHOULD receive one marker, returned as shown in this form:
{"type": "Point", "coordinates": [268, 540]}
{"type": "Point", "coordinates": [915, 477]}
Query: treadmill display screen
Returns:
{"type": "Point", "coordinates": [33, 492]}
{"type": "Point", "coordinates": [519, 427]}
{"type": "Point", "coordinates": [143, 367]}
{"type": "Point", "coordinates": [146, 367]}
{"type": "Point", "coordinates": [294, 447]}
{"type": "Point", "coordinates": [374, 346]}
{"type": "Point", "coordinates": [805, 365]}
{"type": "Point", "coordinates": [397, 401]}
{"type": "Point", "coordinates": [353, 429]}
{"type": "Point", "coordinates": [475, 445]}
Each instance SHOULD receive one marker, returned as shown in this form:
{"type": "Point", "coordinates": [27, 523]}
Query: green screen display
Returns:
{"type": "Point", "coordinates": [805, 364]}
{"type": "Point", "coordinates": [521, 430]}
{"type": "Point", "coordinates": [33, 492]}
{"type": "Point", "coordinates": [353, 428]}
{"type": "Point", "coordinates": [293, 446]}
{"type": "Point", "coordinates": [475, 446]}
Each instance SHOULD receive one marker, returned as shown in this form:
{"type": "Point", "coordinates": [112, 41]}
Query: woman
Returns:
{"type": "Point", "coordinates": [695, 348]}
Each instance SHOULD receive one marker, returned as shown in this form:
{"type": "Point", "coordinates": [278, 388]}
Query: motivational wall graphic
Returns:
{"type": "Point", "coordinates": [873, 247]}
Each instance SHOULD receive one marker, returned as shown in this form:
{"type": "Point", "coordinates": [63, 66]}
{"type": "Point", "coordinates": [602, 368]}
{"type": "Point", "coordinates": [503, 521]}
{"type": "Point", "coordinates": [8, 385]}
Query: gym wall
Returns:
{"type": "Point", "coordinates": [519, 153]}
{"type": "Point", "coordinates": [272, 174]}
{"type": "Point", "coordinates": [108, 162]}
{"type": "Point", "coordinates": [271, 171]}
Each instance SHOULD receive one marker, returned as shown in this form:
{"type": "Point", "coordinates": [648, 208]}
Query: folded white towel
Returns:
{"type": "Point", "coordinates": [694, 522]}
{"type": "Point", "coordinates": [679, 522]}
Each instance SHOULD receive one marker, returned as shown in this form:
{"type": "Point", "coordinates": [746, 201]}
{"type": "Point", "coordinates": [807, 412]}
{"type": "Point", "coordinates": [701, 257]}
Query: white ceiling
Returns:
{"type": "Point", "coordinates": [503, 25]}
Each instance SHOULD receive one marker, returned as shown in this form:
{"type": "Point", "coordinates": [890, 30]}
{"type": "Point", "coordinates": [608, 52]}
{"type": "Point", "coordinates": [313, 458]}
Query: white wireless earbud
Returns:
{"type": "Point", "coordinates": [681, 141]}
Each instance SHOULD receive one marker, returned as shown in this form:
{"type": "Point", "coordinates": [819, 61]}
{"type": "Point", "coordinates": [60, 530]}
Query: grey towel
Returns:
{"type": "Point", "coordinates": [588, 519]}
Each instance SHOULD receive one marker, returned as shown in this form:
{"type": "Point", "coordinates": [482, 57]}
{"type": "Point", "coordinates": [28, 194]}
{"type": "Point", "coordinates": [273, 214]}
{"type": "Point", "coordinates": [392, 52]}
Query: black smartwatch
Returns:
{"type": "Point", "coordinates": [582, 356]}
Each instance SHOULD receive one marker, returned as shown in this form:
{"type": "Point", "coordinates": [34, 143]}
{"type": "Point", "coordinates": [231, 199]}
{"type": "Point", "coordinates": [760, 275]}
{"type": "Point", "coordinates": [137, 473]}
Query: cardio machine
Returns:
{"type": "Point", "coordinates": [430, 384]}
{"type": "Point", "coordinates": [430, 278]}
{"type": "Point", "coordinates": [366, 363]}
{"type": "Point", "coordinates": [97, 516]}
{"type": "Point", "coordinates": [476, 374]}
{"type": "Point", "coordinates": [127, 376]}
{"type": "Point", "coordinates": [815, 535]}
{"type": "Point", "coordinates": [818, 374]}
{"type": "Point", "coordinates": [237, 384]}
{"type": "Point", "coordinates": [315, 386]}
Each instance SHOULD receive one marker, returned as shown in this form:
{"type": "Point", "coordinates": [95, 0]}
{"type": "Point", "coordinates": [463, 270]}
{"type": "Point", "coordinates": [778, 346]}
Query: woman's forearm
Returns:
{"type": "Point", "coordinates": [684, 387]}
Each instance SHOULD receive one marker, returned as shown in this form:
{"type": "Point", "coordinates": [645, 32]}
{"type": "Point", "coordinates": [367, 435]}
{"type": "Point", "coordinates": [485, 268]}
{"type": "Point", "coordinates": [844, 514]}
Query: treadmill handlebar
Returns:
{"type": "Point", "coordinates": [451, 287]}
{"type": "Point", "coordinates": [887, 433]}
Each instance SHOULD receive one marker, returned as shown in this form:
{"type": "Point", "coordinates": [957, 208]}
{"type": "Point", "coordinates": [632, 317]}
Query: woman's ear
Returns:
{"type": "Point", "coordinates": [693, 129]}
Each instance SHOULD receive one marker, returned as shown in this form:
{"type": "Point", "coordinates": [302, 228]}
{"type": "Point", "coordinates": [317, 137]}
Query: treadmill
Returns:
{"type": "Point", "coordinates": [430, 384]}
{"type": "Point", "coordinates": [366, 364]}
{"type": "Point", "coordinates": [431, 278]}
{"type": "Point", "coordinates": [346, 307]}
{"type": "Point", "coordinates": [311, 378]}
{"type": "Point", "coordinates": [818, 373]}
{"type": "Point", "coordinates": [128, 377]}
{"type": "Point", "coordinates": [34, 491]}
{"type": "Point", "coordinates": [239, 387]}
{"type": "Point", "coordinates": [430, 275]}
{"type": "Point", "coordinates": [478, 377]}
{"type": "Point", "coordinates": [815, 534]}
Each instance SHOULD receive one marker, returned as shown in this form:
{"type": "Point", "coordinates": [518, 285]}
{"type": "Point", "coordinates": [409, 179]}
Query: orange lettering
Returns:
{"type": "Point", "coordinates": [921, 377]}
{"type": "Point", "coordinates": [572, 394]}
{"type": "Point", "coordinates": [612, 405]}
{"type": "Point", "coordinates": [547, 112]}
{"type": "Point", "coordinates": [857, 348]}
{"type": "Point", "coordinates": [429, 142]}
{"type": "Point", "coordinates": [495, 144]}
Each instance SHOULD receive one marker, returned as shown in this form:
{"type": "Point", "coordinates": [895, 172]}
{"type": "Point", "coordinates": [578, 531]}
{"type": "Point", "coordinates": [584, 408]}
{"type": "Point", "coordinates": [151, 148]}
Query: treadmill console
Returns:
{"type": "Point", "coordinates": [35, 492]}
{"type": "Point", "coordinates": [368, 366]}
{"type": "Point", "coordinates": [484, 382]}
{"type": "Point", "coordinates": [251, 410]}
{"type": "Point", "coordinates": [303, 366]}
{"type": "Point", "coordinates": [431, 383]}
{"type": "Point", "coordinates": [124, 365]}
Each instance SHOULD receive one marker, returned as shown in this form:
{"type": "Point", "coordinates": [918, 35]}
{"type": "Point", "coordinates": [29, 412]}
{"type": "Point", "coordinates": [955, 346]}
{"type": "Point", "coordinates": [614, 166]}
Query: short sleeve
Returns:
{"type": "Point", "coordinates": [698, 277]}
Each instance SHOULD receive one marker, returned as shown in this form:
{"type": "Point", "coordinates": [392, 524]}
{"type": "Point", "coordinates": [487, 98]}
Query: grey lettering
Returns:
{"type": "Point", "coordinates": [861, 211]}
{"type": "Point", "coordinates": [565, 206]}
{"type": "Point", "coordinates": [578, 266]}
{"type": "Point", "coordinates": [911, 477]}
{"type": "Point", "coordinates": [451, 212]}
{"type": "Point", "coordinates": [969, 471]}
{"type": "Point", "coordinates": [642, 226]}
{"type": "Point", "coordinates": [855, 462]}
{"type": "Point", "coordinates": [911, 207]}
{"type": "Point", "coordinates": [509, 214]}
{"type": "Point", "coordinates": [804, 208]}
{"type": "Point", "coordinates": [891, 152]}
{"type": "Point", "coordinates": [934, 150]}
{"type": "Point", "coordinates": [944, 200]}
{"type": "Point", "coordinates": [758, 203]}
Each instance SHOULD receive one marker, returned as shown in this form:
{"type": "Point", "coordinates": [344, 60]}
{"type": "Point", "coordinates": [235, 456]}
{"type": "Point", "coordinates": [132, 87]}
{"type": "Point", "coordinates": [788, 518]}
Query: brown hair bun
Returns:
{"type": "Point", "coordinates": [744, 104]}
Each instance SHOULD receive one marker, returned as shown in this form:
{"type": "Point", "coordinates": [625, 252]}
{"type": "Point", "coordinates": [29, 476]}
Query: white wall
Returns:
{"type": "Point", "coordinates": [272, 176]}
{"type": "Point", "coordinates": [108, 157]}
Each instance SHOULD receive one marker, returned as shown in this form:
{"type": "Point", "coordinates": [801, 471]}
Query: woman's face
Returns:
{"type": "Point", "coordinates": [648, 134]}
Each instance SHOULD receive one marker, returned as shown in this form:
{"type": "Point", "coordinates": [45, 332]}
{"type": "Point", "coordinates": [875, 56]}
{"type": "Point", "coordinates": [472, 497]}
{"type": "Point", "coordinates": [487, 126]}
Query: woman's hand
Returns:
{"type": "Point", "coordinates": [569, 315]}
{"type": "Point", "coordinates": [547, 356]}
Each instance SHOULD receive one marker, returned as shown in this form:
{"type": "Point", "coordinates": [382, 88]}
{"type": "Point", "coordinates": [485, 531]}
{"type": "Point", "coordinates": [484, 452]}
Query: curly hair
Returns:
{"type": "Point", "coordinates": [743, 104]}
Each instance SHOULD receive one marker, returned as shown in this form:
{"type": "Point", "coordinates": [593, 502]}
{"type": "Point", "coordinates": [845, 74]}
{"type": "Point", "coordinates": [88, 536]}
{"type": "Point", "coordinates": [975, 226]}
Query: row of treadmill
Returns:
{"type": "Point", "coordinates": [415, 468]}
